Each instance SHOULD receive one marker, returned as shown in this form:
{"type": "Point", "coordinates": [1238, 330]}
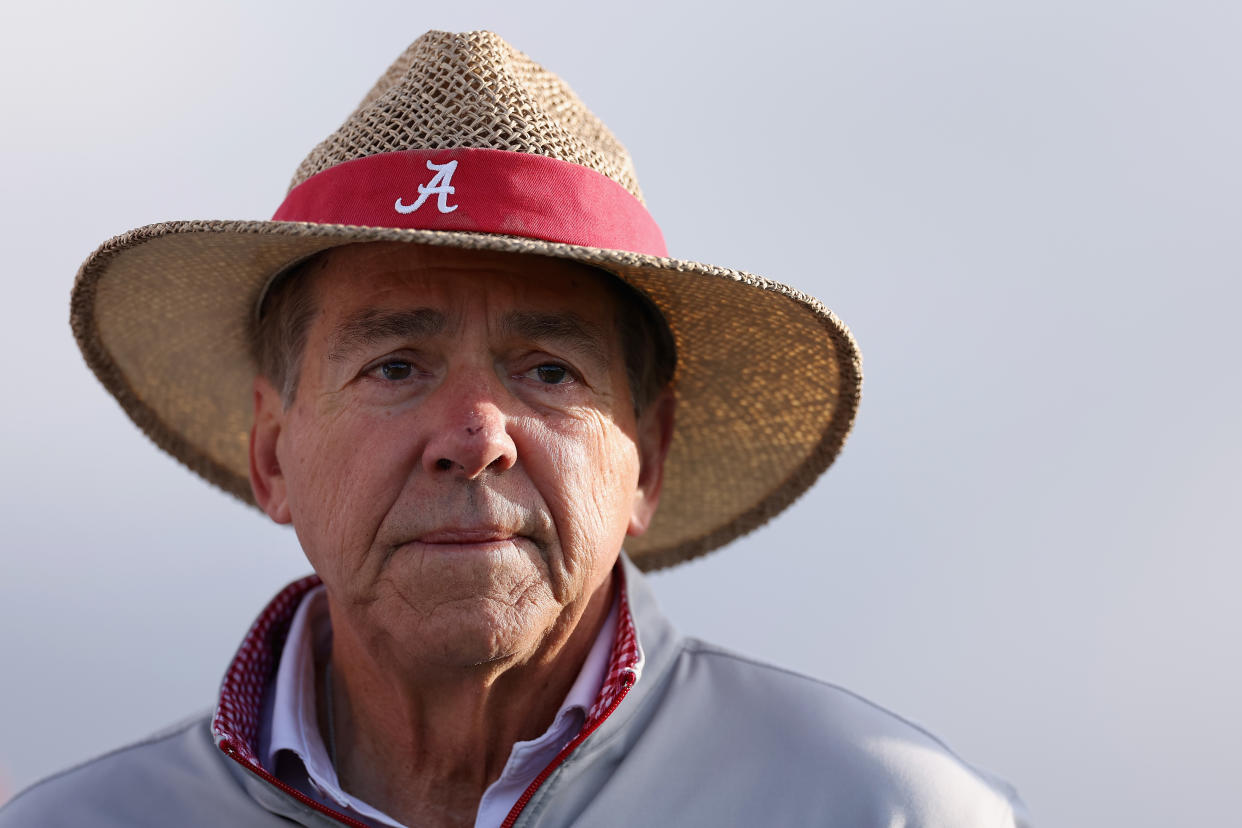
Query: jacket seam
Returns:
{"type": "Point", "coordinates": [699, 647]}
{"type": "Point", "coordinates": [702, 648]}
{"type": "Point", "coordinates": [168, 733]}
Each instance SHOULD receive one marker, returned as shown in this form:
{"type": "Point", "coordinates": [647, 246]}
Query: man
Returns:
{"type": "Point", "coordinates": [459, 363]}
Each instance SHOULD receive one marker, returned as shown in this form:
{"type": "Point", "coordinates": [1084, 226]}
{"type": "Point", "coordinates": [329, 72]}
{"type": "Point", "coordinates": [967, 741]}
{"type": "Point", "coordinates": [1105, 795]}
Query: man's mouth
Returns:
{"type": "Point", "coordinates": [467, 536]}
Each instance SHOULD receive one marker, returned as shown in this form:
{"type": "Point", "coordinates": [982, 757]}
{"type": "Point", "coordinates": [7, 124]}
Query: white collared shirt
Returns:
{"type": "Point", "coordinates": [292, 725]}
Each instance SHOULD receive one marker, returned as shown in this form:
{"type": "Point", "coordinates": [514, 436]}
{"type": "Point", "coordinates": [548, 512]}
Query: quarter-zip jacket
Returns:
{"type": "Point", "coordinates": [703, 737]}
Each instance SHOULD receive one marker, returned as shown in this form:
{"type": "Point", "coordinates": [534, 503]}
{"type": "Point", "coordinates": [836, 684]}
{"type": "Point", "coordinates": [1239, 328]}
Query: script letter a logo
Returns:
{"type": "Point", "coordinates": [441, 185]}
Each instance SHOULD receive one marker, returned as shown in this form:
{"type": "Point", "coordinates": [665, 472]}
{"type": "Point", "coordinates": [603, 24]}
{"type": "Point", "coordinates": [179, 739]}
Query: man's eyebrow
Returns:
{"type": "Point", "coordinates": [567, 327]}
{"type": "Point", "coordinates": [371, 325]}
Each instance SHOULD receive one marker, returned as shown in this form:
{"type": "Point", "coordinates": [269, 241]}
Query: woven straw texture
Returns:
{"type": "Point", "coordinates": [767, 382]}
{"type": "Point", "coordinates": [473, 90]}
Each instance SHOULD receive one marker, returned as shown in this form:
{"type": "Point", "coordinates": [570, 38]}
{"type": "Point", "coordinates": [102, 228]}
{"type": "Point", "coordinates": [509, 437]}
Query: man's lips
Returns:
{"type": "Point", "coordinates": [466, 536]}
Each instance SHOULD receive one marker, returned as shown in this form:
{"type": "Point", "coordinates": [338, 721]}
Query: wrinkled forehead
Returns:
{"type": "Point", "coordinates": [399, 276]}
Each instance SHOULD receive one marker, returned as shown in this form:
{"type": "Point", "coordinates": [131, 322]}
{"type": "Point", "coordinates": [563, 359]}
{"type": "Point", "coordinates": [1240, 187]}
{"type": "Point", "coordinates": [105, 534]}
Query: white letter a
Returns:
{"type": "Point", "coordinates": [440, 184]}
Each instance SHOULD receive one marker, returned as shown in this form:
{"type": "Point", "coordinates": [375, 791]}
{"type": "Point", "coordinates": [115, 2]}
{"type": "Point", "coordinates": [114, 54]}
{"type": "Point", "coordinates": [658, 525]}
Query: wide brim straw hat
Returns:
{"type": "Point", "coordinates": [466, 142]}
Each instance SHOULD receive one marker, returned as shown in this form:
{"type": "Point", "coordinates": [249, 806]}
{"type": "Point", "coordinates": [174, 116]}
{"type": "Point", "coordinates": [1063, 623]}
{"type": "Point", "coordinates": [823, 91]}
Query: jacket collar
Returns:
{"type": "Point", "coordinates": [657, 644]}
{"type": "Point", "coordinates": [238, 714]}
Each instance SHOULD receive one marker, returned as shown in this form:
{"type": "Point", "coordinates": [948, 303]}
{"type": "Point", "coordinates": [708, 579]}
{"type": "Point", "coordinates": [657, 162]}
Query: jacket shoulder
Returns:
{"type": "Point", "coordinates": [170, 778]}
{"type": "Point", "coordinates": [719, 739]}
{"type": "Point", "coordinates": [820, 708]}
{"type": "Point", "coordinates": [867, 755]}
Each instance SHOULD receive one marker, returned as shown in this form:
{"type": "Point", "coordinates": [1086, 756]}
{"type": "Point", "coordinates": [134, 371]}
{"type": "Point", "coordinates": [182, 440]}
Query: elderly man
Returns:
{"type": "Point", "coordinates": [459, 363]}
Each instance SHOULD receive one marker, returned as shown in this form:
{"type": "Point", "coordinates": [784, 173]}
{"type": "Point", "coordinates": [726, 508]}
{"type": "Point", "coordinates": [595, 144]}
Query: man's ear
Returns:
{"type": "Point", "coordinates": [655, 432]}
{"type": "Point", "coordinates": [266, 480]}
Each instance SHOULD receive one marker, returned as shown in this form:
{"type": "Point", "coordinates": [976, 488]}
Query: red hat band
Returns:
{"type": "Point", "coordinates": [481, 191]}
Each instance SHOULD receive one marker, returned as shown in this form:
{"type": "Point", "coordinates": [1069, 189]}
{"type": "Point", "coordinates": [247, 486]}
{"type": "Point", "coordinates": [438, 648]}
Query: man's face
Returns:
{"type": "Point", "coordinates": [461, 461]}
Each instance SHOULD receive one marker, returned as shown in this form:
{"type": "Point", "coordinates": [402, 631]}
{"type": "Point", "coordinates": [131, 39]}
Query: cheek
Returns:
{"type": "Point", "coordinates": [340, 476]}
{"type": "Point", "coordinates": [587, 475]}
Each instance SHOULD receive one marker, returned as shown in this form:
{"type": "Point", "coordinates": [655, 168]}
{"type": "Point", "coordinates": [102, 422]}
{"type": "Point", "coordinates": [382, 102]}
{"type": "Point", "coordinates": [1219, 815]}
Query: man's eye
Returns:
{"type": "Point", "coordinates": [552, 374]}
{"type": "Point", "coordinates": [396, 370]}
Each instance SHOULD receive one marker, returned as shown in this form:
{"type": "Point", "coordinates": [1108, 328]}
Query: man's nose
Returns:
{"type": "Point", "coordinates": [470, 431]}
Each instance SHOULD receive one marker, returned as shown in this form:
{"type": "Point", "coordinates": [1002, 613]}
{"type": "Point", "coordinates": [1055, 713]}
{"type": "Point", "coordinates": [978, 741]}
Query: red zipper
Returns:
{"type": "Point", "coordinates": [626, 683]}
{"type": "Point", "coordinates": [229, 751]}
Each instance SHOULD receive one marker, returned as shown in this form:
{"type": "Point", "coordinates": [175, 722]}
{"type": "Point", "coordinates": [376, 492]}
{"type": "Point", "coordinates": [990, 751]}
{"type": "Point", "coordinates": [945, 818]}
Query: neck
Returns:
{"type": "Point", "coordinates": [423, 743]}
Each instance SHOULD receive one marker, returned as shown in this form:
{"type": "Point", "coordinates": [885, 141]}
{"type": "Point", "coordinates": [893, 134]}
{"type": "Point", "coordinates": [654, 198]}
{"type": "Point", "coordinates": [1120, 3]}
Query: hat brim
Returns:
{"type": "Point", "coordinates": [767, 384]}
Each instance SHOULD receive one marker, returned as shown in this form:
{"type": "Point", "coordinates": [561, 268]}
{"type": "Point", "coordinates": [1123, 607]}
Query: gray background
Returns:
{"type": "Point", "coordinates": [1028, 213]}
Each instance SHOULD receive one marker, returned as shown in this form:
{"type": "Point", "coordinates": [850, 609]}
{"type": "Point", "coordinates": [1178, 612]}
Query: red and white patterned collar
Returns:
{"type": "Point", "coordinates": [235, 724]}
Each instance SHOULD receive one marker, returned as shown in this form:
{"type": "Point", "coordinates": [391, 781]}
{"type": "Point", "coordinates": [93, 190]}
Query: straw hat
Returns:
{"type": "Point", "coordinates": [467, 142]}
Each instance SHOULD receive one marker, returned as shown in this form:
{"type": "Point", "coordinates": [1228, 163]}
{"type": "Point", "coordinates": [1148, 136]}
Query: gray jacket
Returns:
{"type": "Point", "coordinates": [704, 738]}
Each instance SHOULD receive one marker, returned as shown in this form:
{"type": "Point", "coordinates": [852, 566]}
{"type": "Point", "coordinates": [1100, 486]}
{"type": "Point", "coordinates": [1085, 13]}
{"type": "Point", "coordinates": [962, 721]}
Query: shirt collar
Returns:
{"type": "Point", "coordinates": [292, 722]}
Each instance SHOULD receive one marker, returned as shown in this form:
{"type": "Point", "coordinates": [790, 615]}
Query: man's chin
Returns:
{"type": "Point", "coordinates": [478, 632]}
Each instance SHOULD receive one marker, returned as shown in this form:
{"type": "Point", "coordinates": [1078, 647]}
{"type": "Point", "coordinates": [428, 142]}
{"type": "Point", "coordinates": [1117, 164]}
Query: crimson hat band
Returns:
{"type": "Point", "coordinates": [478, 190]}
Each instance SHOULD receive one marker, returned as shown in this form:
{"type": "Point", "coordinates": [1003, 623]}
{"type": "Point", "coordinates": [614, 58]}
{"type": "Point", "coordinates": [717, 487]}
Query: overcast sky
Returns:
{"type": "Point", "coordinates": [1028, 212]}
